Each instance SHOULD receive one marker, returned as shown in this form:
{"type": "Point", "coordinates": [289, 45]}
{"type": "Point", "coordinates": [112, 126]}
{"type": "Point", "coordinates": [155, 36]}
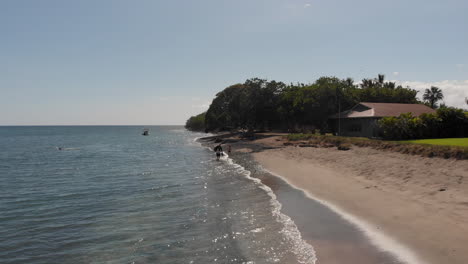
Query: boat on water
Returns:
{"type": "Point", "coordinates": [145, 132]}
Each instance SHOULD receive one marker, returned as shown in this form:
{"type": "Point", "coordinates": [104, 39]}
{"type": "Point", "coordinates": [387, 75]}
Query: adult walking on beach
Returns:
{"type": "Point", "coordinates": [219, 150]}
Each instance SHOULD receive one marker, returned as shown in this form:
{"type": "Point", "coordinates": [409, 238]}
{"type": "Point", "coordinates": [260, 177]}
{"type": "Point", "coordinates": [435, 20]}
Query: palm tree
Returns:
{"type": "Point", "coordinates": [390, 85]}
{"type": "Point", "coordinates": [433, 95]}
{"type": "Point", "coordinates": [381, 79]}
{"type": "Point", "coordinates": [350, 82]}
{"type": "Point", "coordinates": [367, 83]}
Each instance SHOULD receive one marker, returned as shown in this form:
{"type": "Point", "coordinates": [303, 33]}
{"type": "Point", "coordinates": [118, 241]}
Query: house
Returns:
{"type": "Point", "coordinates": [361, 120]}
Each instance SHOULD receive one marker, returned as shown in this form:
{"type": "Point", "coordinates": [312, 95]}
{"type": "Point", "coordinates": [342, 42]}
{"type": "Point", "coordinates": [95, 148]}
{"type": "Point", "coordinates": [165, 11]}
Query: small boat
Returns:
{"type": "Point", "coordinates": [145, 132]}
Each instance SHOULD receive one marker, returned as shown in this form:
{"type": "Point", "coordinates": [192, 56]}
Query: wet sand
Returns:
{"type": "Point", "coordinates": [416, 208]}
{"type": "Point", "coordinates": [334, 239]}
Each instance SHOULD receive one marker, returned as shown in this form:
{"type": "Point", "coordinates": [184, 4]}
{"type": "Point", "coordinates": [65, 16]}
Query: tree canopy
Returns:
{"type": "Point", "coordinates": [196, 123]}
{"type": "Point", "coordinates": [259, 104]}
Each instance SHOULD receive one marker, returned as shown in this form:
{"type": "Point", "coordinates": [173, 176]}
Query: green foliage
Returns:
{"type": "Point", "coordinates": [446, 122]}
{"type": "Point", "coordinates": [379, 91]}
{"type": "Point", "coordinates": [196, 123]}
{"type": "Point", "coordinates": [312, 104]}
{"type": "Point", "coordinates": [226, 110]}
{"type": "Point", "coordinates": [299, 136]}
{"type": "Point", "coordinates": [453, 122]}
{"type": "Point", "coordinates": [258, 104]}
{"type": "Point", "coordinates": [432, 96]}
{"type": "Point", "coordinates": [251, 105]}
{"type": "Point", "coordinates": [403, 127]}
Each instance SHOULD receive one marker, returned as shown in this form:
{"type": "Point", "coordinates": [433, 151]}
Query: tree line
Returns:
{"type": "Point", "coordinates": [260, 104]}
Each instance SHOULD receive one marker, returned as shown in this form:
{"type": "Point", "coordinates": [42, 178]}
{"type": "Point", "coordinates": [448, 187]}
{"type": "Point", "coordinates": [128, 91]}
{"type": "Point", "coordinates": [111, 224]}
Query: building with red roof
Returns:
{"type": "Point", "coordinates": [361, 120]}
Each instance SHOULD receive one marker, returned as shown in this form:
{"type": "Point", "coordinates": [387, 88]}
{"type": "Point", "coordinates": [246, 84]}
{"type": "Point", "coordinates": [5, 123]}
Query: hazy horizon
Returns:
{"type": "Point", "coordinates": [84, 125]}
{"type": "Point", "coordinates": [160, 62]}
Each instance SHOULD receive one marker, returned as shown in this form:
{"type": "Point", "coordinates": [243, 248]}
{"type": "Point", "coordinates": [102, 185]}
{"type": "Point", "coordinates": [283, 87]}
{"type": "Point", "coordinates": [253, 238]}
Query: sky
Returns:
{"type": "Point", "coordinates": [158, 62]}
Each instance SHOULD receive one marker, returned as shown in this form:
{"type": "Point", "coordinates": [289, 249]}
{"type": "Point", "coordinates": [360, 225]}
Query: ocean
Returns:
{"type": "Point", "coordinates": [107, 194]}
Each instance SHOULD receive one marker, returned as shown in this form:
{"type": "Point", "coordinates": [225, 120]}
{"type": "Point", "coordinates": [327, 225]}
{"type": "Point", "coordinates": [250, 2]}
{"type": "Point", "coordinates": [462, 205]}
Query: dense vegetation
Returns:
{"type": "Point", "coordinates": [258, 104]}
{"type": "Point", "coordinates": [196, 123]}
{"type": "Point", "coordinates": [445, 123]}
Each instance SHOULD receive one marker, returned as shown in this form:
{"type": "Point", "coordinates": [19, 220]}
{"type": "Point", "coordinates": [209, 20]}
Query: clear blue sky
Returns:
{"type": "Point", "coordinates": [158, 62]}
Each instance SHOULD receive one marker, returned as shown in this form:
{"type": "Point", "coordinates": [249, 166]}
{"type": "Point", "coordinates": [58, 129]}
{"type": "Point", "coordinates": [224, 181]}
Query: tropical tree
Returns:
{"type": "Point", "coordinates": [227, 110]}
{"type": "Point", "coordinates": [259, 104]}
{"type": "Point", "coordinates": [251, 105]}
{"type": "Point", "coordinates": [380, 79]}
{"type": "Point", "coordinates": [433, 95]}
{"type": "Point", "coordinates": [196, 123]}
{"type": "Point", "coordinates": [350, 83]}
{"type": "Point", "coordinates": [374, 83]}
{"type": "Point", "coordinates": [367, 83]}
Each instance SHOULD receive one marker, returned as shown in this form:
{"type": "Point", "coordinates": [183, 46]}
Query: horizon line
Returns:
{"type": "Point", "coordinates": [78, 125]}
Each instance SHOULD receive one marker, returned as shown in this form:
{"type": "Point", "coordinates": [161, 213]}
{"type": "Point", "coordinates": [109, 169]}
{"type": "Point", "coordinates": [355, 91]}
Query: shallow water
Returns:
{"type": "Point", "coordinates": [110, 195]}
{"type": "Point", "coordinates": [334, 238]}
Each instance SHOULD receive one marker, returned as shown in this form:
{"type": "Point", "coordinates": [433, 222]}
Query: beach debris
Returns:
{"type": "Point", "coordinates": [288, 143]}
{"type": "Point", "coordinates": [344, 147]}
{"type": "Point", "coordinates": [327, 145]}
{"type": "Point", "coordinates": [442, 189]}
{"type": "Point", "coordinates": [307, 146]}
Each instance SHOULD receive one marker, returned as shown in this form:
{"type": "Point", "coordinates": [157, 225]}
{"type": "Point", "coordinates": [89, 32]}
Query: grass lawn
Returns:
{"type": "Point", "coordinates": [440, 147]}
{"type": "Point", "coordinates": [461, 142]}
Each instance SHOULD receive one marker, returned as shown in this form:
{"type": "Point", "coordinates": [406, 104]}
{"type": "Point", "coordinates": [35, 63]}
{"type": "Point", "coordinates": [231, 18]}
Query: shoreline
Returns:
{"type": "Point", "coordinates": [415, 207]}
{"type": "Point", "coordinates": [381, 241]}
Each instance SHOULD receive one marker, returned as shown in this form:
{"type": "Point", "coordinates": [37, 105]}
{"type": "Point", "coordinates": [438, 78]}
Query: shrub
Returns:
{"type": "Point", "coordinates": [447, 122]}
{"type": "Point", "coordinates": [300, 136]}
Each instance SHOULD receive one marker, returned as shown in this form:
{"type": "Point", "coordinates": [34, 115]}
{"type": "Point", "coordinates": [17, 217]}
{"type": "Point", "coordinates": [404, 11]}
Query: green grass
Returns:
{"type": "Point", "coordinates": [445, 148]}
{"type": "Point", "coordinates": [460, 142]}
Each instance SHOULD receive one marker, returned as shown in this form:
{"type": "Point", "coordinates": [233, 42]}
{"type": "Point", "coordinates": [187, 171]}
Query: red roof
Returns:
{"type": "Point", "coordinates": [384, 109]}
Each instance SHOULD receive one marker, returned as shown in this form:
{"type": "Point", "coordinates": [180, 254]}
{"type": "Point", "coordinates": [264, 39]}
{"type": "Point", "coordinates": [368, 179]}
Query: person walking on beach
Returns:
{"type": "Point", "coordinates": [219, 150]}
{"type": "Point", "coordinates": [229, 149]}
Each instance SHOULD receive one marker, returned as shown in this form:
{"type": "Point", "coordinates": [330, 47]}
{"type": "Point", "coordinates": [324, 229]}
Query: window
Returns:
{"type": "Point", "coordinates": [355, 128]}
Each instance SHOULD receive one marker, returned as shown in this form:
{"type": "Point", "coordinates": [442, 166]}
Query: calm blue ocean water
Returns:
{"type": "Point", "coordinates": [112, 195]}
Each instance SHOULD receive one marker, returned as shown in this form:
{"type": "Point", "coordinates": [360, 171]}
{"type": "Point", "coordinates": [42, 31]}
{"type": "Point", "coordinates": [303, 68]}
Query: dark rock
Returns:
{"type": "Point", "coordinates": [307, 146]}
{"type": "Point", "coordinates": [343, 148]}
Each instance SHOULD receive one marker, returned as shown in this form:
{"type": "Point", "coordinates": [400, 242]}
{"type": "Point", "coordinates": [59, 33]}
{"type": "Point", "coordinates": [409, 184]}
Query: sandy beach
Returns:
{"type": "Point", "coordinates": [413, 206]}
